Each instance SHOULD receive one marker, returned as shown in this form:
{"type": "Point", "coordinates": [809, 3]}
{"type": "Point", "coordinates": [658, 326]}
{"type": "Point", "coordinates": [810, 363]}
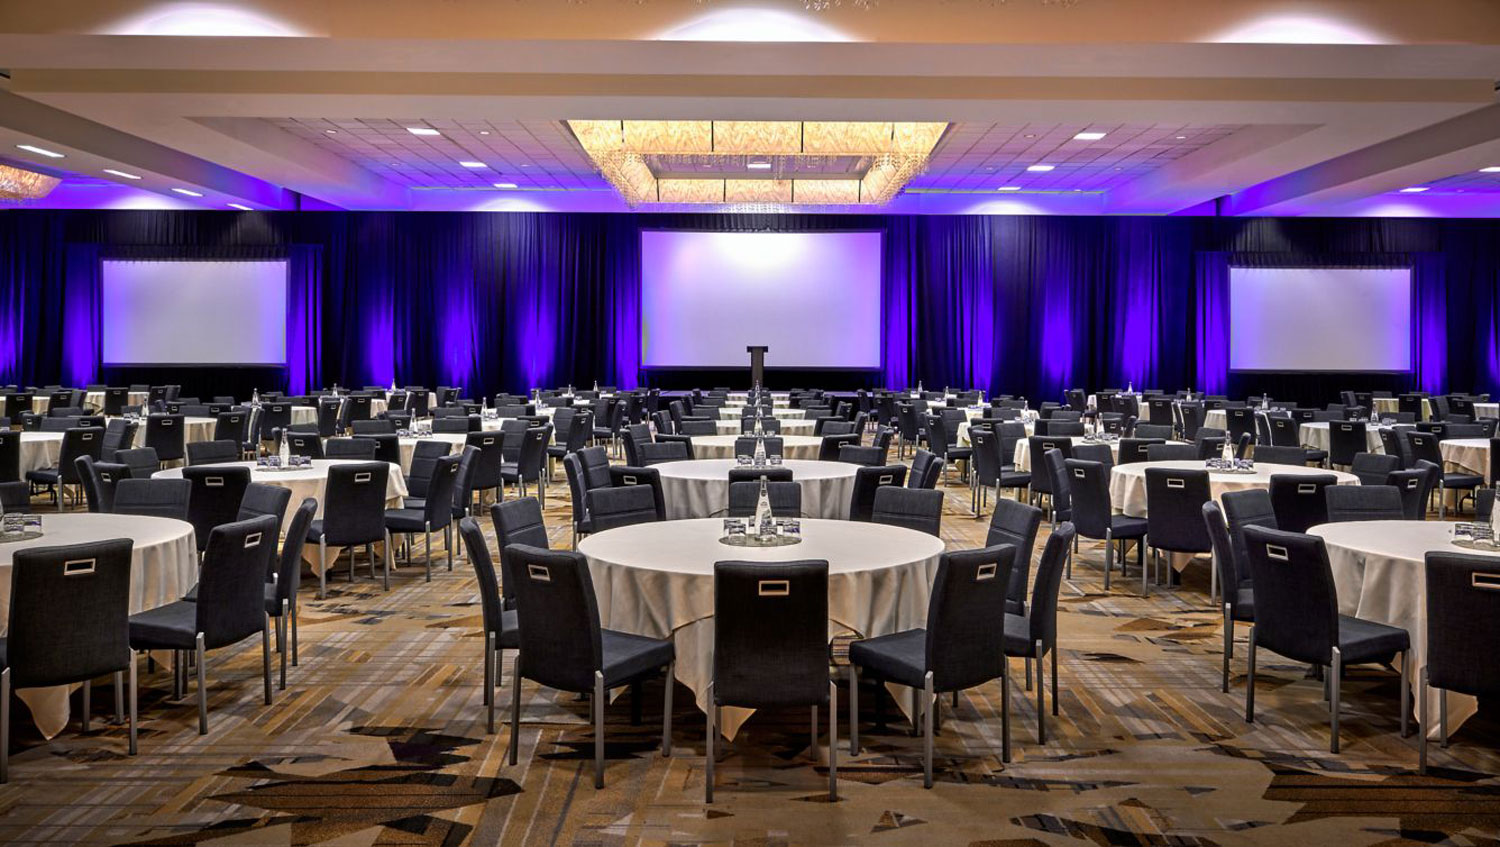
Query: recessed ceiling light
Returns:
{"type": "Point", "coordinates": [1031, 135]}
{"type": "Point", "coordinates": [1182, 138]}
{"type": "Point", "coordinates": [331, 131]}
{"type": "Point", "coordinates": [1089, 136]}
{"type": "Point", "coordinates": [505, 185]}
{"type": "Point", "coordinates": [759, 166]}
{"type": "Point", "coordinates": [473, 164]}
{"type": "Point", "coordinates": [422, 130]}
{"type": "Point", "coordinates": [242, 208]}
{"type": "Point", "coordinates": [120, 174]}
{"type": "Point", "coordinates": [1009, 188]}
{"type": "Point", "coordinates": [188, 192]}
{"type": "Point", "coordinates": [1493, 169]}
{"type": "Point", "coordinates": [31, 148]}
{"type": "Point", "coordinates": [1415, 189]}
{"type": "Point", "coordinates": [484, 132]}
{"type": "Point", "coordinates": [1040, 168]}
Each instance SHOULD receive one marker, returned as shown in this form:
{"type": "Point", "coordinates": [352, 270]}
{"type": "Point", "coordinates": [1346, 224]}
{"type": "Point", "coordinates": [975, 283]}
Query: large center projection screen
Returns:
{"type": "Point", "coordinates": [1320, 319]}
{"type": "Point", "coordinates": [812, 298]}
{"type": "Point", "coordinates": [194, 313]}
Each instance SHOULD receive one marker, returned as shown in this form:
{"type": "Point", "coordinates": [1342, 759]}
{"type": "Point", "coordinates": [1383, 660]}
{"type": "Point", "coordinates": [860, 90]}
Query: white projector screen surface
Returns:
{"type": "Point", "coordinates": [194, 313]}
{"type": "Point", "coordinates": [1320, 319]}
{"type": "Point", "coordinates": [812, 298]}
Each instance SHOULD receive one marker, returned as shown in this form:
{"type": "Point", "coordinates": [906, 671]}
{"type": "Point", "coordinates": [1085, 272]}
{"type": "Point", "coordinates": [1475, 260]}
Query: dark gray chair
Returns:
{"type": "Point", "coordinates": [1174, 513]}
{"type": "Point", "coordinates": [98, 481]}
{"type": "Point", "coordinates": [142, 461]}
{"type": "Point", "coordinates": [960, 648]}
{"type": "Point", "coordinates": [1296, 616]}
{"type": "Point", "coordinates": [529, 466]}
{"type": "Point", "coordinates": [1017, 524]}
{"type": "Point", "coordinates": [424, 456]}
{"type": "Point", "coordinates": [785, 497]}
{"type": "Point", "coordinates": [217, 494]}
{"type": "Point", "coordinates": [564, 647]}
{"type": "Point", "coordinates": [213, 452]}
{"type": "Point", "coordinates": [307, 444]}
{"type": "Point", "coordinates": [77, 442]}
{"type": "Point", "coordinates": [355, 449]}
{"type": "Point", "coordinates": [1423, 446]}
{"type": "Point", "coordinates": [1093, 515]}
{"type": "Point", "coordinates": [1373, 468]}
{"type": "Point", "coordinates": [281, 591]}
{"type": "Point", "coordinates": [435, 514]}
{"type": "Point", "coordinates": [159, 498]}
{"type": "Point", "coordinates": [1172, 453]}
{"type": "Point", "coordinates": [1415, 485]}
{"type": "Point", "coordinates": [501, 630]}
{"type": "Point", "coordinates": [926, 470]}
{"type": "Point", "coordinates": [1269, 454]}
{"type": "Point", "coordinates": [913, 508]}
{"type": "Point", "coordinates": [230, 606]}
{"type": "Point", "coordinates": [867, 482]}
{"type": "Point", "coordinates": [165, 434]}
{"type": "Point", "coordinates": [1238, 590]}
{"type": "Point", "coordinates": [353, 515]}
{"type": "Point", "coordinates": [672, 450]}
{"type": "Point", "coordinates": [626, 505]}
{"type": "Point", "coordinates": [69, 607]}
{"type": "Point", "coordinates": [1034, 635]}
{"type": "Point", "coordinates": [1364, 503]}
{"type": "Point", "coordinates": [1346, 439]}
{"type": "Point", "coordinates": [1299, 500]}
{"type": "Point", "coordinates": [771, 649]}
{"type": "Point", "coordinates": [1463, 627]}
{"type": "Point", "coordinates": [751, 473]}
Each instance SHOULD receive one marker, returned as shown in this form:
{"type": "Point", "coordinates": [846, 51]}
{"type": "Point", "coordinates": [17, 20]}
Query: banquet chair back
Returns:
{"type": "Point", "coordinates": [1239, 595]}
{"type": "Point", "coordinates": [1152, 432]}
{"type": "Point", "coordinates": [304, 444]}
{"type": "Point", "coordinates": [456, 423]}
{"type": "Point", "coordinates": [926, 470]}
{"type": "Point", "coordinates": [160, 498]}
{"type": "Point", "coordinates": [1192, 418]}
{"type": "Point", "coordinates": [462, 499]}
{"type": "Point", "coordinates": [328, 416]}
{"type": "Point", "coordinates": [517, 521]}
{"type": "Point", "coordinates": [1132, 450]}
{"type": "Point", "coordinates": [424, 456]}
{"type": "Point", "coordinates": [1088, 491]}
{"type": "Point", "coordinates": [626, 505]}
{"type": "Point", "coordinates": [1346, 439]}
{"type": "Point", "coordinates": [378, 426]}
{"type": "Point", "coordinates": [754, 474]}
{"type": "Point", "coordinates": [1364, 503]}
{"type": "Point", "coordinates": [98, 480]}
{"type": "Point", "coordinates": [913, 508]}
{"type": "Point", "coordinates": [658, 452]}
{"type": "Point", "coordinates": [828, 448]}
{"type": "Point", "coordinates": [1463, 625]}
{"type": "Point", "coordinates": [286, 578]}
{"type": "Point", "coordinates": [68, 623]}
{"type": "Point", "coordinates": [386, 446]}
{"type": "Point", "coordinates": [1016, 523]}
{"type": "Point", "coordinates": [1239, 422]}
{"type": "Point", "coordinates": [771, 647]}
{"type": "Point", "coordinates": [1174, 510]}
{"type": "Point", "coordinates": [10, 456]}
{"type": "Point", "coordinates": [119, 434]}
{"type": "Point", "coordinates": [1374, 468]}
{"type": "Point", "coordinates": [744, 445]}
{"type": "Point", "coordinates": [232, 427]}
{"type": "Point", "coordinates": [867, 482]}
{"type": "Point", "coordinates": [1060, 429]}
{"type": "Point", "coordinates": [1270, 454]}
{"type": "Point", "coordinates": [1055, 468]}
{"type": "Point", "coordinates": [769, 426]}
{"type": "Point", "coordinates": [1039, 445]}
{"type": "Point", "coordinates": [1038, 626]}
{"type": "Point", "coordinates": [165, 435]}
{"type": "Point", "coordinates": [435, 513]}
{"type": "Point", "coordinates": [1284, 430]}
{"type": "Point", "coordinates": [212, 452]}
{"type": "Point", "coordinates": [354, 514]}
{"type": "Point", "coordinates": [785, 497]}
{"type": "Point", "coordinates": [697, 427]}
{"type": "Point", "coordinates": [17, 403]}
{"type": "Point", "coordinates": [1415, 485]}
{"type": "Point", "coordinates": [59, 400]}
{"type": "Point", "coordinates": [1160, 412]}
{"type": "Point", "coordinates": [1394, 445]}
{"type": "Point", "coordinates": [855, 454]}
{"type": "Point", "coordinates": [262, 499]}
{"type": "Point", "coordinates": [277, 415]}
{"type": "Point", "coordinates": [341, 447]}
{"type": "Point", "coordinates": [1299, 500]}
{"type": "Point", "coordinates": [217, 494]}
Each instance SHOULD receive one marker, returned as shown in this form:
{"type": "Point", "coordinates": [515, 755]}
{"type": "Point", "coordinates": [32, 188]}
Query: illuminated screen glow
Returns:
{"type": "Point", "coordinates": [194, 313]}
{"type": "Point", "coordinates": [813, 298]}
{"type": "Point", "coordinates": [1320, 319]}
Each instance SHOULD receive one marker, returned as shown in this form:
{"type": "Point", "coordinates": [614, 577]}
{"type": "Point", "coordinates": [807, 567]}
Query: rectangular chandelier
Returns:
{"type": "Point", "coordinates": [814, 163]}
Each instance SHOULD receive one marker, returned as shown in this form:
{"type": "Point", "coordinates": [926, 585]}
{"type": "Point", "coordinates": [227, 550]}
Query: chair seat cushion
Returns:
{"type": "Point", "coordinates": [1015, 479]}
{"type": "Point", "coordinates": [44, 476]}
{"type": "Point", "coordinates": [414, 502]}
{"type": "Point", "coordinates": [1450, 480]}
{"type": "Point", "coordinates": [960, 454]}
{"type": "Point", "coordinates": [629, 657]}
{"type": "Point", "coordinates": [1018, 636]}
{"type": "Point", "coordinates": [170, 627]}
{"type": "Point", "coordinates": [1367, 641]}
{"type": "Point", "coordinates": [900, 657]}
{"type": "Point", "coordinates": [405, 520]}
{"type": "Point", "coordinates": [557, 451]}
{"type": "Point", "coordinates": [1124, 526]}
{"type": "Point", "coordinates": [1319, 456]}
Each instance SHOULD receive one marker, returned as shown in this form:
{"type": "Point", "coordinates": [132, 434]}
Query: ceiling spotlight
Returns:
{"type": "Point", "coordinates": [120, 174]}
{"type": "Point", "coordinates": [484, 132]}
{"type": "Point", "coordinates": [422, 130]}
{"type": "Point", "coordinates": [1182, 138]}
{"type": "Point", "coordinates": [241, 207]}
{"type": "Point", "coordinates": [1031, 135]}
{"type": "Point", "coordinates": [1089, 136]}
{"type": "Point", "coordinates": [1009, 188]}
{"type": "Point", "coordinates": [31, 148]}
{"type": "Point", "coordinates": [1040, 168]}
{"type": "Point", "coordinates": [473, 164]}
{"type": "Point", "coordinates": [505, 185]}
{"type": "Point", "coordinates": [1492, 169]}
{"type": "Point", "coordinates": [188, 192]}
{"type": "Point", "coordinates": [1415, 189]}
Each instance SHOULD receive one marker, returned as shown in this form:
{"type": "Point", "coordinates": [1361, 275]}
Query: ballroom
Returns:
{"type": "Point", "coordinates": [750, 423]}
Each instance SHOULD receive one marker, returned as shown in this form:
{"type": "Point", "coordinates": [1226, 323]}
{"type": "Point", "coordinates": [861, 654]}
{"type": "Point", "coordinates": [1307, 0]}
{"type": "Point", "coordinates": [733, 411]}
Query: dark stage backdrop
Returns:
{"type": "Point", "coordinates": [1022, 305]}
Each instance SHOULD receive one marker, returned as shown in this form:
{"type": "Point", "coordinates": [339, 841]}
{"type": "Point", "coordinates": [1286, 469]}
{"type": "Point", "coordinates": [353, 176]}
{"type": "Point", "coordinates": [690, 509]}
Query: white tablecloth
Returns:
{"type": "Point", "coordinates": [1127, 484]}
{"type": "Point", "coordinates": [1022, 457]}
{"type": "Point", "coordinates": [1392, 405]}
{"type": "Point", "coordinates": [194, 429]}
{"type": "Point", "coordinates": [95, 399]}
{"type": "Point", "coordinates": [741, 401]}
{"type": "Point", "coordinates": [1315, 434]}
{"type": "Point", "coordinates": [722, 446]}
{"type": "Point", "coordinates": [163, 566]}
{"type": "Point", "coordinates": [455, 441]}
{"type": "Point", "coordinates": [40, 450]}
{"type": "Point", "coordinates": [304, 415]}
{"type": "Point", "coordinates": [1469, 454]}
{"type": "Point", "coordinates": [700, 489]}
{"type": "Point", "coordinates": [1378, 569]}
{"type": "Point", "coordinates": [736, 412]}
{"type": "Point", "coordinates": [788, 427]}
{"type": "Point", "coordinates": [1486, 410]}
{"type": "Point", "coordinates": [656, 579]}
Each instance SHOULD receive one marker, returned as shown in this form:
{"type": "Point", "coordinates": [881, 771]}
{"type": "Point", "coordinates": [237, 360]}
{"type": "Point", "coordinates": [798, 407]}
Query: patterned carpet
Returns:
{"type": "Point", "coordinates": [379, 740]}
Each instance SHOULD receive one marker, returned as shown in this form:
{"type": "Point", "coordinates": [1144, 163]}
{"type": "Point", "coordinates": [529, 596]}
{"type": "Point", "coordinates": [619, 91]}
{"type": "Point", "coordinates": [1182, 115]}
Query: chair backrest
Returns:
{"type": "Point", "coordinates": [231, 601]}
{"type": "Point", "coordinates": [424, 456]}
{"type": "Point", "coordinates": [10, 455]}
{"type": "Point", "coordinates": [1016, 523]}
{"type": "Point", "coordinates": [1171, 453]}
{"type": "Point", "coordinates": [162, 498]}
{"type": "Point", "coordinates": [213, 452]}
{"type": "Point", "coordinates": [491, 603]}
{"type": "Point", "coordinates": [1270, 454]}
{"type": "Point", "coordinates": [69, 611]}
{"type": "Point", "coordinates": [785, 497]}
{"type": "Point", "coordinates": [289, 563]}
{"type": "Point", "coordinates": [217, 493]}
{"type": "Point", "coordinates": [437, 507]}
{"type": "Point", "coordinates": [751, 473]}
{"type": "Point", "coordinates": [770, 633]}
{"type": "Point", "coordinates": [354, 503]}
{"type": "Point", "coordinates": [1250, 507]}
{"type": "Point", "coordinates": [1364, 503]}
{"type": "Point", "coordinates": [625, 505]}
{"type": "Point", "coordinates": [99, 479]}
{"type": "Point", "coordinates": [964, 646]}
{"type": "Point", "coordinates": [914, 508]}
{"type": "Point", "coordinates": [304, 444]}
{"type": "Point", "coordinates": [1224, 555]}
{"type": "Point", "coordinates": [517, 521]}
{"type": "Point", "coordinates": [1041, 481]}
{"type": "Point", "coordinates": [1296, 606]}
{"type": "Point", "coordinates": [1042, 615]}
{"type": "Point", "coordinates": [1088, 488]}
{"type": "Point", "coordinates": [558, 615]}
{"type": "Point", "coordinates": [262, 499]}
{"type": "Point", "coordinates": [1422, 446]}
{"type": "Point", "coordinates": [360, 449]}
{"type": "Point", "coordinates": [232, 426]}
{"type": "Point", "coordinates": [1463, 623]}
{"type": "Point", "coordinates": [1415, 485]}
{"type": "Point", "coordinates": [1345, 440]}
{"type": "Point", "coordinates": [828, 449]}
{"type": "Point", "coordinates": [1174, 509]}
{"type": "Point", "coordinates": [867, 481]}
{"type": "Point", "coordinates": [1373, 468]}
{"type": "Point", "coordinates": [142, 461]}
{"type": "Point", "coordinates": [119, 434]}
{"type": "Point", "coordinates": [926, 470]}
{"type": "Point", "coordinates": [78, 441]}
{"type": "Point", "coordinates": [1299, 501]}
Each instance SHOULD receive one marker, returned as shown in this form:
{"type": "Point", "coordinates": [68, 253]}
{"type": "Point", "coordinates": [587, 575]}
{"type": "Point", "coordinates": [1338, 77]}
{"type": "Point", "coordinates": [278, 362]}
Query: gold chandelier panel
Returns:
{"type": "Point", "coordinates": [18, 184]}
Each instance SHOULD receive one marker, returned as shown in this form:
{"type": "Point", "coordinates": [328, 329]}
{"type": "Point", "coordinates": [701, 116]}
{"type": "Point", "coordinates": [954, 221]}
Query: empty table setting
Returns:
{"type": "Point", "coordinates": [1127, 483]}
{"type": "Point", "coordinates": [700, 488]}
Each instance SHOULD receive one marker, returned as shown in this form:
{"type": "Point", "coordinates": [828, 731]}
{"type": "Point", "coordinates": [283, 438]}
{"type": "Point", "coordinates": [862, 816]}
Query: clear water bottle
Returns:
{"type": "Point", "coordinates": [760, 449]}
{"type": "Point", "coordinates": [255, 396]}
{"type": "Point", "coordinates": [285, 454]}
{"type": "Point", "coordinates": [763, 521]}
{"type": "Point", "coordinates": [1227, 454]}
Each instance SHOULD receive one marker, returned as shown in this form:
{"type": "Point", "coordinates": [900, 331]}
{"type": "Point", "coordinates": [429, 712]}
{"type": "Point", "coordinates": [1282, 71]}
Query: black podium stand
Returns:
{"type": "Point", "coordinates": [757, 365]}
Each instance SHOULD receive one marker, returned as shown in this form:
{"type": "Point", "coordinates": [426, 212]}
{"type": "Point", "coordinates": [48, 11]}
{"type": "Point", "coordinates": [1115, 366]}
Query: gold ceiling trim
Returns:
{"type": "Point", "coordinates": [896, 150]}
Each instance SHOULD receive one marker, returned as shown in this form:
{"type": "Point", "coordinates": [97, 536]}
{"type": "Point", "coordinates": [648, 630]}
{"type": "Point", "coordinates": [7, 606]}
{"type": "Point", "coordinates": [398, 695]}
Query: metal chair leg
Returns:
{"type": "Point", "coordinates": [134, 696]}
{"type": "Point", "coordinates": [515, 710]}
{"type": "Point", "coordinates": [265, 656]}
{"type": "Point", "coordinates": [489, 682]}
{"type": "Point", "coordinates": [833, 741]}
{"type": "Point", "coordinates": [1405, 692]}
{"type": "Point", "coordinates": [1228, 648]}
{"type": "Point", "coordinates": [1335, 683]}
{"type": "Point", "coordinates": [88, 705]}
{"type": "Point", "coordinates": [853, 710]}
{"type": "Point", "coordinates": [283, 623]}
{"type": "Point", "coordinates": [1054, 679]}
{"type": "Point", "coordinates": [1004, 709]}
{"type": "Point", "coordinates": [710, 745]}
{"type": "Point", "coordinates": [1041, 697]}
{"type": "Point", "coordinates": [202, 688]}
{"type": "Point", "coordinates": [598, 705]}
{"type": "Point", "coordinates": [929, 708]}
{"type": "Point", "coordinates": [427, 546]}
{"type": "Point", "coordinates": [5, 726]}
{"type": "Point", "coordinates": [322, 569]}
{"type": "Point", "coordinates": [1424, 727]}
{"type": "Point", "coordinates": [119, 697]}
{"type": "Point", "coordinates": [1250, 679]}
{"type": "Point", "coordinates": [666, 709]}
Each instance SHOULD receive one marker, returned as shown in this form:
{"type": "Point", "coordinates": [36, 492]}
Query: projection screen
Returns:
{"type": "Point", "coordinates": [813, 298]}
{"type": "Point", "coordinates": [194, 313]}
{"type": "Point", "coordinates": [1320, 319]}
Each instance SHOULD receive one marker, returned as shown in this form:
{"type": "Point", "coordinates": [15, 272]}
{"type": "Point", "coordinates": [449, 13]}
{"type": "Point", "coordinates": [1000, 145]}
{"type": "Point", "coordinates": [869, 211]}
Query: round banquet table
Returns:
{"type": "Point", "coordinates": [788, 427]}
{"type": "Point", "coordinates": [1314, 434]}
{"type": "Point", "coordinates": [700, 488]}
{"type": "Point", "coordinates": [1486, 410]}
{"type": "Point", "coordinates": [1022, 457]}
{"type": "Point", "coordinates": [737, 412]}
{"type": "Point", "coordinates": [1392, 405]}
{"type": "Point", "coordinates": [163, 566]}
{"type": "Point", "coordinates": [455, 441]}
{"type": "Point", "coordinates": [1470, 454]}
{"type": "Point", "coordinates": [722, 446]}
{"type": "Point", "coordinates": [1379, 570]}
{"type": "Point", "coordinates": [304, 415]}
{"type": "Point", "coordinates": [40, 450]}
{"type": "Point", "coordinates": [194, 429]}
{"type": "Point", "coordinates": [95, 399]}
{"type": "Point", "coordinates": [1127, 483]}
{"type": "Point", "coordinates": [656, 579]}
{"type": "Point", "coordinates": [742, 401]}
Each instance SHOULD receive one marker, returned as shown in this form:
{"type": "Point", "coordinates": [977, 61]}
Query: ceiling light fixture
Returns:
{"type": "Point", "coordinates": [1493, 169]}
{"type": "Point", "coordinates": [31, 148]}
{"type": "Point", "coordinates": [188, 192]}
{"type": "Point", "coordinates": [1089, 136]}
{"type": "Point", "coordinates": [759, 166]}
{"type": "Point", "coordinates": [505, 185]}
{"type": "Point", "coordinates": [331, 131]}
{"type": "Point", "coordinates": [473, 164]}
{"type": "Point", "coordinates": [422, 130]}
{"type": "Point", "coordinates": [1415, 189]}
{"type": "Point", "coordinates": [241, 207]}
{"type": "Point", "coordinates": [1009, 188]}
{"type": "Point", "coordinates": [120, 174]}
{"type": "Point", "coordinates": [1040, 168]}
